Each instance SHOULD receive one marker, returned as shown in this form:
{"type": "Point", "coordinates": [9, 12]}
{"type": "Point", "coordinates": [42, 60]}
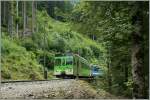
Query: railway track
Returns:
{"type": "Point", "coordinates": [14, 81]}
{"type": "Point", "coordinates": [17, 81]}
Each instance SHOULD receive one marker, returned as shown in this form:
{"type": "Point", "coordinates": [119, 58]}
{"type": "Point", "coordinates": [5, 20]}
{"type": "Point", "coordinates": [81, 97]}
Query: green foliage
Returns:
{"type": "Point", "coordinates": [112, 24]}
{"type": "Point", "coordinates": [29, 44]}
{"type": "Point", "coordinates": [52, 37]}
{"type": "Point", "coordinates": [49, 58]}
{"type": "Point", "coordinates": [60, 38]}
{"type": "Point", "coordinates": [17, 63]}
{"type": "Point", "coordinates": [68, 30]}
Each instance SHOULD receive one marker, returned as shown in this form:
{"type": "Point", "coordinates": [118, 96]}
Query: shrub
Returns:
{"type": "Point", "coordinates": [17, 62]}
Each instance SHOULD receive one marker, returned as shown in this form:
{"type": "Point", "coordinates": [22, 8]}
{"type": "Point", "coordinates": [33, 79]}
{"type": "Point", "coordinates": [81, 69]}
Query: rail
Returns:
{"type": "Point", "coordinates": [15, 81]}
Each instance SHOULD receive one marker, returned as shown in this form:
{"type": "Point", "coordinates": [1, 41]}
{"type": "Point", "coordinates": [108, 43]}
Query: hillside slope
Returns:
{"type": "Point", "coordinates": [23, 58]}
{"type": "Point", "coordinates": [18, 63]}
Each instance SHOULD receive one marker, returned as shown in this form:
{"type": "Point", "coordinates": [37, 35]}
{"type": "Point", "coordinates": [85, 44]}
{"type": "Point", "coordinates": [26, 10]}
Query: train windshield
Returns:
{"type": "Point", "coordinates": [58, 62]}
{"type": "Point", "coordinates": [69, 61]}
{"type": "Point", "coordinates": [96, 69]}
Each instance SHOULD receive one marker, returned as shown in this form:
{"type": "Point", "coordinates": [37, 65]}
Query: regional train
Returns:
{"type": "Point", "coordinates": [75, 66]}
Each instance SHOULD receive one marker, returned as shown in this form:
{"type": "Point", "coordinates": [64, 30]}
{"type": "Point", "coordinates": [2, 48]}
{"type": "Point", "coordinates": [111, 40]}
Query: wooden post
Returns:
{"type": "Point", "coordinates": [45, 69]}
{"type": "Point", "coordinates": [78, 64]}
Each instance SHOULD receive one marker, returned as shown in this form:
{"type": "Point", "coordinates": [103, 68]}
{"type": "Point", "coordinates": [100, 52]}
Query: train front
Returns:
{"type": "Point", "coordinates": [96, 71]}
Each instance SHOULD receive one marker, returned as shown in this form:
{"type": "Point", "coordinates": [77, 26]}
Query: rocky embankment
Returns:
{"type": "Point", "coordinates": [54, 89]}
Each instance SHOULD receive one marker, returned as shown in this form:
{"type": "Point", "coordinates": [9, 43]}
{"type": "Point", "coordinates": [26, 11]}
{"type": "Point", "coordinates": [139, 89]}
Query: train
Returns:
{"type": "Point", "coordinates": [75, 66]}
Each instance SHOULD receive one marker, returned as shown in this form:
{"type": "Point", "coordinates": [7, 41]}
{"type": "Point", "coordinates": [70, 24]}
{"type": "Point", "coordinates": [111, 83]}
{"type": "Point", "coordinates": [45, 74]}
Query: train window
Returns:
{"type": "Point", "coordinates": [69, 61]}
{"type": "Point", "coordinates": [96, 69]}
{"type": "Point", "coordinates": [58, 62]}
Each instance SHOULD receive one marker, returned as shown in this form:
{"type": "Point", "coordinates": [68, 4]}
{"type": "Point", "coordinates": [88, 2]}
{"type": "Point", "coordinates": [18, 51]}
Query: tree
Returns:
{"type": "Point", "coordinates": [4, 13]}
{"type": "Point", "coordinates": [113, 22]}
{"type": "Point", "coordinates": [33, 15]}
{"type": "Point", "coordinates": [24, 16]}
{"type": "Point", "coordinates": [36, 7]}
{"type": "Point", "coordinates": [137, 51]}
{"type": "Point", "coordinates": [10, 18]}
{"type": "Point", "coordinates": [17, 19]}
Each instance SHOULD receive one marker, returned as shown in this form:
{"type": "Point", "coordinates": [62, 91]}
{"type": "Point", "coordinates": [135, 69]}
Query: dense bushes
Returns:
{"type": "Point", "coordinates": [60, 38]}
{"type": "Point", "coordinates": [18, 63]}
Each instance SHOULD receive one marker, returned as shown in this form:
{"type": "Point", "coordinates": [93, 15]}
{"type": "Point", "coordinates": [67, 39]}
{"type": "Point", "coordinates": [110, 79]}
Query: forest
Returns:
{"type": "Point", "coordinates": [113, 35]}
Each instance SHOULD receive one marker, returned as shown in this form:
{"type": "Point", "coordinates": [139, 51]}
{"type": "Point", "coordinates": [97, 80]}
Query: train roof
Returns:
{"type": "Point", "coordinates": [62, 57]}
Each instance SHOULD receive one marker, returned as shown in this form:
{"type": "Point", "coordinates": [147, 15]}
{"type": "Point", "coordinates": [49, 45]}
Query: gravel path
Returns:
{"type": "Point", "coordinates": [48, 89]}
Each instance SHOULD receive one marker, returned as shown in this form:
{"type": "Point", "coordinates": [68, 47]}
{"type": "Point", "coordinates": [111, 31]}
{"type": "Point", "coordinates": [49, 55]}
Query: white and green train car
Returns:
{"type": "Point", "coordinates": [72, 66]}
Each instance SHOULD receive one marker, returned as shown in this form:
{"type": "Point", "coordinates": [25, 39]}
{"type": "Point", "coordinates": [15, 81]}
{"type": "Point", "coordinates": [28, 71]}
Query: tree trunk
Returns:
{"type": "Point", "coordinates": [137, 68]}
{"type": "Point", "coordinates": [109, 78]}
{"type": "Point", "coordinates": [126, 73]}
{"type": "Point", "coordinates": [24, 16]}
{"type": "Point", "coordinates": [109, 72]}
{"type": "Point", "coordinates": [6, 13]}
{"type": "Point", "coordinates": [50, 8]}
{"type": "Point", "coordinates": [22, 7]}
{"type": "Point", "coordinates": [36, 7]}
{"type": "Point", "coordinates": [10, 24]}
{"type": "Point", "coordinates": [12, 18]}
{"type": "Point", "coordinates": [17, 20]}
{"type": "Point", "coordinates": [137, 59]}
{"type": "Point", "coordinates": [4, 18]}
{"type": "Point", "coordinates": [33, 16]}
{"type": "Point", "coordinates": [2, 12]}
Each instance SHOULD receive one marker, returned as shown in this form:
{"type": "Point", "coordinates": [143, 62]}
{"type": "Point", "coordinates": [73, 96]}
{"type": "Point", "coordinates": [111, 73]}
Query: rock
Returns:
{"type": "Point", "coordinates": [30, 95]}
{"type": "Point", "coordinates": [10, 87]}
